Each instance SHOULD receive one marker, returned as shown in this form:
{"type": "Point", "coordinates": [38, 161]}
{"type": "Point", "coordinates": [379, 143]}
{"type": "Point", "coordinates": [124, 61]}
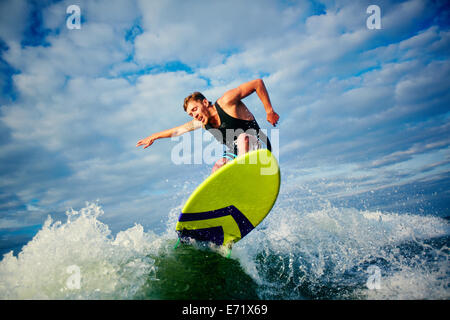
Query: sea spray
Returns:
{"type": "Point", "coordinates": [315, 252]}
{"type": "Point", "coordinates": [81, 259]}
{"type": "Point", "coordinates": [109, 267]}
{"type": "Point", "coordinates": [326, 254]}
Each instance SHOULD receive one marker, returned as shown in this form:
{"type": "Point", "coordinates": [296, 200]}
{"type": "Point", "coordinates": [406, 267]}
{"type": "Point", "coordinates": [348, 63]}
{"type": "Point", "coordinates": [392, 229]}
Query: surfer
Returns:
{"type": "Point", "coordinates": [228, 120]}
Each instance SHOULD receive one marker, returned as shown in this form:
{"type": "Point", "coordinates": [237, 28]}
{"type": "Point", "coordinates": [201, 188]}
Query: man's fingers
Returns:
{"type": "Point", "coordinates": [148, 144]}
{"type": "Point", "coordinates": [141, 143]}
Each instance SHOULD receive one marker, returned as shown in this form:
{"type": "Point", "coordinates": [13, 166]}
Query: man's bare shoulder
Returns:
{"type": "Point", "coordinates": [236, 109]}
{"type": "Point", "coordinates": [230, 100]}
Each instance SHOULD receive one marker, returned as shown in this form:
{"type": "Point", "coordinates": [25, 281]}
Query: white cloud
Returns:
{"type": "Point", "coordinates": [344, 93]}
{"type": "Point", "coordinates": [13, 20]}
{"type": "Point", "coordinates": [417, 148]}
{"type": "Point", "coordinates": [197, 32]}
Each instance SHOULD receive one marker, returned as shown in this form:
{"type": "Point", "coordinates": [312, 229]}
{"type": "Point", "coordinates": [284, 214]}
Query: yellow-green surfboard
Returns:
{"type": "Point", "coordinates": [232, 201]}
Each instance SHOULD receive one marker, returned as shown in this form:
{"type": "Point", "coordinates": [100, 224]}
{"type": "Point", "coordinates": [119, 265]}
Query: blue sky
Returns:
{"type": "Point", "coordinates": [369, 107]}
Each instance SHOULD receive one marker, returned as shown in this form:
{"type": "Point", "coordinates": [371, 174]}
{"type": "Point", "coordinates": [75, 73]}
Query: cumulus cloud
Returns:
{"type": "Point", "coordinates": [78, 100]}
{"type": "Point", "coordinates": [196, 32]}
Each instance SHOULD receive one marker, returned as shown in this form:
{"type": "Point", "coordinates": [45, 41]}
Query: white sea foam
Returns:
{"type": "Point", "coordinates": [331, 248]}
{"type": "Point", "coordinates": [109, 267]}
{"type": "Point", "coordinates": [293, 254]}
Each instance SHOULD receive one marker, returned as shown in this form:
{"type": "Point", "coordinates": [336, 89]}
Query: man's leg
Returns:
{"type": "Point", "coordinates": [219, 163]}
{"type": "Point", "coordinates": [246, 142]}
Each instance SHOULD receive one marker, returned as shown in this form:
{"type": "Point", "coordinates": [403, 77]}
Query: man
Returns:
{"type": "Point", "coordinates": [228, 119]}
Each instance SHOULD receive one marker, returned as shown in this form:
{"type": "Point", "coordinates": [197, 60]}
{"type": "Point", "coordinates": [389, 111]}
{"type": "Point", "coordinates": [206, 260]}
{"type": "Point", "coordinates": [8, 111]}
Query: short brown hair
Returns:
{"type": "Point", "coordinates": [197, 96]}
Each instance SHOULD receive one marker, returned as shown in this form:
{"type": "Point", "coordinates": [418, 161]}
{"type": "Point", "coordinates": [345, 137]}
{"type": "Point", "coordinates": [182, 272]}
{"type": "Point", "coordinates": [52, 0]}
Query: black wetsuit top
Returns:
{"type": "Point", "coordinates": [239, 126]}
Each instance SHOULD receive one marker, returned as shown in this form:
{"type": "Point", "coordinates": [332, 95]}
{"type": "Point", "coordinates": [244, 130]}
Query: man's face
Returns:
{"type": "Point", "coordinates": [198, 111]}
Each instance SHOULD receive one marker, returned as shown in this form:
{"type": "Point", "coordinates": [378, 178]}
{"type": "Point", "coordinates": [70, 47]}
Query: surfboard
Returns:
{"type": "Point", "coordinates": [232, 201]}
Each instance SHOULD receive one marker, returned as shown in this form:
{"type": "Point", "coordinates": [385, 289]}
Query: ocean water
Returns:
{"type": "Point", "coordinates": [304, 249]}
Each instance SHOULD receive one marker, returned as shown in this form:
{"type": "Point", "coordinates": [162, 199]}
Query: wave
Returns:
{"type": "Point", "coordinates": [329, 253]}
{"type": "Point", "coordinates": [325, 253]}
{"type": "Point", "coordinates": [109, 267]}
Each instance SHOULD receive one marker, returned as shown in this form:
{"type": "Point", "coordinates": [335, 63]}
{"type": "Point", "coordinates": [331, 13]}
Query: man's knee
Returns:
{"type": "Point", "coordinates": [243, 138]}
{"type": "Point", "coordinates": [219, 163]}
{"type": "Point", "coordinates": [247, 142]}
{"type": "Point", "coordinates": [242, 142]}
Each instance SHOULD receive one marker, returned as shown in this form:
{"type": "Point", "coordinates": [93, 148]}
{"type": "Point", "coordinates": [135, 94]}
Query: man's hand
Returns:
{"type": "Point", "coordinates": [273, 117]}
{"type": "Point", "coordinates": [147, 142]}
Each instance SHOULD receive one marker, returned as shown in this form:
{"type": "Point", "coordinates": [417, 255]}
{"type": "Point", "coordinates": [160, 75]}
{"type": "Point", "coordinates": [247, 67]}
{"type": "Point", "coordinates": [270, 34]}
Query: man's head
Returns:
{"type": "Point", "coordinates": [196, 106]}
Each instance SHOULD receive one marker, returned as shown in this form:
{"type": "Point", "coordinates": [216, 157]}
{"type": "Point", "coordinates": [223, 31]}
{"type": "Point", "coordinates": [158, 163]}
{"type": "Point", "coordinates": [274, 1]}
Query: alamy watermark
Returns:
{"type": "Point", "coordinates": [74, 20]}
{"type": "Point", "coordinates": [374, 20]}
{"type": "Point", "coordinates": [190, 148]}
{"type": "Point", "coordinates": [73, 282]}
{"type": "Point", "coordinates": [374, 280]}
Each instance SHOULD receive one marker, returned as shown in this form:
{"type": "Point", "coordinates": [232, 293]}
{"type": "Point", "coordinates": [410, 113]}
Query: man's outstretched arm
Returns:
{"type": "Point", "coordinates": [173, 132]}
